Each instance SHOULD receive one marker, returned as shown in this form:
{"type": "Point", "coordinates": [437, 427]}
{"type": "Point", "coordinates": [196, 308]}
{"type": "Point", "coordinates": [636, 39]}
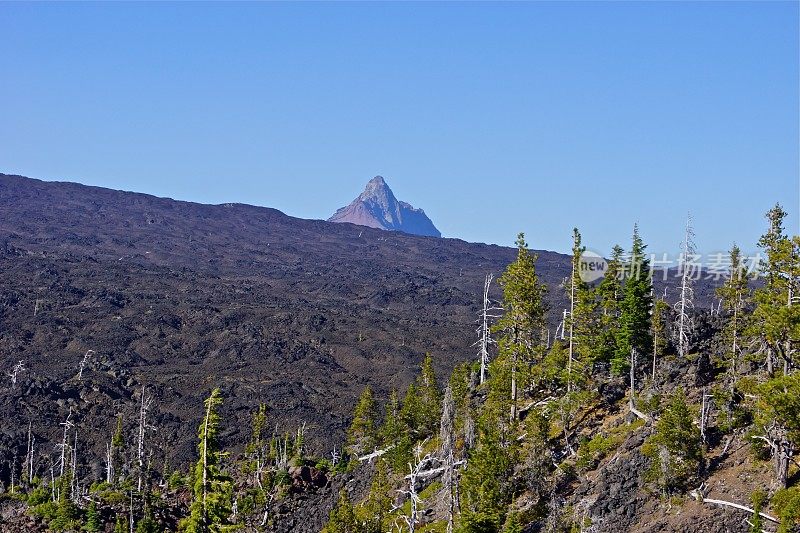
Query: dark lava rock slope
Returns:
{"type": "Point", "coordinates": [181, 297]}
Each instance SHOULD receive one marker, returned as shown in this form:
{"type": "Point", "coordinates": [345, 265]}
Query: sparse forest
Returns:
{"type": "Point", "coordinates": [508, 442]}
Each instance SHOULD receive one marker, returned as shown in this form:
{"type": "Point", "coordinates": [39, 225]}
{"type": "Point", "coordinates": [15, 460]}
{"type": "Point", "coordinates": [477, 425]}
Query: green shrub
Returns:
{"type": "Point", "coordinates": [786, 503]}
{"type": "Point", "coordinates": [38, 496]}
{"type": "Point", "coordinates": [592, 451]}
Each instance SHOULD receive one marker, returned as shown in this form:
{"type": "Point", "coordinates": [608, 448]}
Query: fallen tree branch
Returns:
{"type": "Point", "coordinates": [536, 404]}
{"type": "Point", "coordinates": [425, 474]}
{"type": "Point", "coordinates": [772, 444]}
{"type": "Point", "coordinates": [699, 497]}
{"type": "Point", "coordinates": [376, 453]}
{"type": "Point", "coordinates": [639, 413]}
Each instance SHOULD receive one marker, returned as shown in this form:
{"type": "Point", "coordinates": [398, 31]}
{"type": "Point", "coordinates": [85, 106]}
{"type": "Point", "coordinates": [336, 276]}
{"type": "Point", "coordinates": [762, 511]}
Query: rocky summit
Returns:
{"type": "Point", "coordinates": [377, 207]}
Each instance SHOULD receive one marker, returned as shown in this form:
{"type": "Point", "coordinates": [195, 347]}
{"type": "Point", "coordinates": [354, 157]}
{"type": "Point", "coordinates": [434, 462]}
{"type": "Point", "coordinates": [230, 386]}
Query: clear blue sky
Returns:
{"type": "Point", "coordinates": [495, 118]}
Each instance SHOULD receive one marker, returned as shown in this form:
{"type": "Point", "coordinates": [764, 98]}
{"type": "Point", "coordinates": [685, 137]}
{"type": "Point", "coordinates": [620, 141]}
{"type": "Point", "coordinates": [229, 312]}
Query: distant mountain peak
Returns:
{"type": "Point", "coordinates": [377, 207]}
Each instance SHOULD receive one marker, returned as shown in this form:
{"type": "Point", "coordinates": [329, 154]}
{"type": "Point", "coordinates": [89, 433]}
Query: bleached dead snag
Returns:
{"type": "Point", "coordinates": [109, 462]}
{"type": "Point", "coordinates": [298, 443]}
{"type": "Point", "coordinates": [282, 450]}
{"type": "Point", "coordinates": [487, 313]}
{"type": "Point", "coordinates": [64, 445]}
{"type": "Point", "coordinates": [562, 325]}
{"type": "Point", "coordinates": [632, 399]}
{"type": "Point", "coordinates": [705, 410]}
{"type": "Point", "coordinates": [144, 409]}
{"type": "Point", "coordinates": [576, 252]}
{"type": "Point", "coordinates": [13, 471]}
{"type": "Point", "coordinates": [53, 495]}
{"type": "Point", "coordinates": [469, 431]}
{"type": "Point", "coordinates": [375, 454]}
{"type": "Point", "coordinates": [334, 456]}
{"type": "Point", "coordinates": [411, 493]}
{"type": "Point", "coordinates": [15, 372]}
{"type": "Point", "coordinates": [777, 437]}
{"type": "Point", "coordinates": [84, 362]}
{"type": "Point", "coordinates": [29, 454]}
{"type": "Point", "coordinates": [75, 487]}
{"type": "Point", "coordinates": [425, 475]}
{"type": "Point", "coordinates": [685, 303]}
{"type": "Point", "coordinates": [447, 436]}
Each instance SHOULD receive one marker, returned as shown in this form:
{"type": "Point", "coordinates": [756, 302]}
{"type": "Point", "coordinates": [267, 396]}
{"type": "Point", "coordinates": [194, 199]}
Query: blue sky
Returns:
{"type": "Point", "coordinates": [494, 118]}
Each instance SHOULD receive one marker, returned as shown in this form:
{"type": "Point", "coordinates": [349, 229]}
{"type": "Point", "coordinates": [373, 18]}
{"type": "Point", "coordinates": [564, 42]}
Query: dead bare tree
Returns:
{"type": "Point", "coordinates": [685, 303]}
{"type": "Point", "coordinates": [415, 469]}
{"type": "Point", "coordinates": [84, 362]}
{"type": "Point", "coordinates": [75, 483]}
{"type": "Point", "coordinates": [144, 409]}
{"type": "Point", "coordinates": [705, 411]}
{"type": "Point", "coordinates": [64, 445]}
{"type": "Point", "coordinates": [776, 436]}
{"type": "Point", "coordinates": [16, 371]}
{"type": "Point", "coordinates": [447, 437]}
{"type": "Point", "coordinates": [53, 495]}
{"type": "Point", "coordinates": [469, 431]}
{"type": "Point", "coordinates": [335, 456]}
{"type": "Point", "coordinates": [487, 313]}
{"type": "Point", "coordinates": [13, 471]}
{"type": "Point", "coordinates": [109, 462]}
{"type": "Point", "coordinates": [632, 399]}
{"type": "Point", "coordinates": [29, 453]}
{"type": "Point", "coordinates": [562, 325]}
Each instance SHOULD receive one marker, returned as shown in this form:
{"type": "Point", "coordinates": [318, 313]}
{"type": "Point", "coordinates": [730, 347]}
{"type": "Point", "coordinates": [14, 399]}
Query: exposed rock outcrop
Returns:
{"type": "Point", "coordinates": [377, 207]}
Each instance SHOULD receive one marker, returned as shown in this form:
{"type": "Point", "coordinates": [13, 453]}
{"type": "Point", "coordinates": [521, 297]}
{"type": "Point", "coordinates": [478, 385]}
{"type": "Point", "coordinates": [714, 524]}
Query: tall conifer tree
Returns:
{"type": "Point", "coordinates": [211, 504]}
{"type": "Point", "coordinates": [521, 325]}
{"type": "Point", "coordinates": [634, 331]}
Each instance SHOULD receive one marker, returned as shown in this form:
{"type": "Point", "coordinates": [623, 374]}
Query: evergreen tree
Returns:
{"type": "Point", "coordinates": [362, 433]}
{"type": "Point", "coordinates": [610, 296]}
{"type": "Point", "coordinates": [256, 451]}
{"type": "Point", "coordinates": [118, 447]}
{"type": "Point", "coordinates": [675, 448]}
{"type": "Point", "coordinates": [375, 511]}
{"type": "Point", "coordinates": [486, 486]}
{"type": "Point", "coordinates": [410, 411]}
{"type": "Point", "coordinates": [343, 517]}
{"type": "Point", "coordinates": [758, 498]}
{"type": "Point", "coordinates": [211, 504]}
{"type": "Point", "coordinates": [734, 295]}
{"type": "Point", "coordinates": [93, 520]}
{"type": "Point", "coordinates": [121, 524]}
{"type": "Point", "coordinates": [67, 513]}
{"type": "Point", "coordinates": [430, 399]}
{"type": "Point", "coordinates": [523, 319]}
{"type": "Point", "coordinates": [634, 330]}
{"type": "Point", "coordinates": [392, 428]}
{"type": "Point", "coordinates": [778, 421]}
{"type": "Point", "coordinates": [512, 524]}
{"type": "Point", "coordinates": [147, 524]}
{"type": "Point", "coordinates": [659, 330]}
{"type": "Point", "coordinates": [582, 324]}
{"type": "Point", "coordinates": [776, 319]}
{"type": "Point", "coordinates": [422, 404]}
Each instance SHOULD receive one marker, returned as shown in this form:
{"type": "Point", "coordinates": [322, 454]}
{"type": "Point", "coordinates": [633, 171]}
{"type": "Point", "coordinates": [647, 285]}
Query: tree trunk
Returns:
{"type": "Point", "coordinates": [514, 387]}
